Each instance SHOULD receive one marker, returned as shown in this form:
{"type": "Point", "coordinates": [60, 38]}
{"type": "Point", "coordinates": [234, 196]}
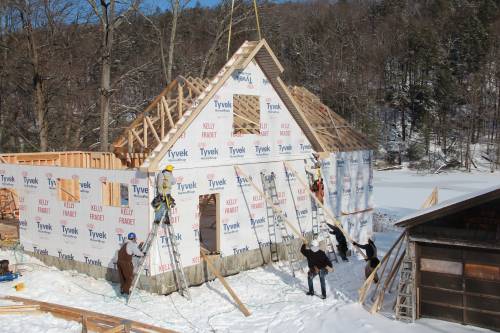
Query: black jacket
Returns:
{"type": "Point", "coordinates": [338, 234]}
{"type": "Point", "coordinates": [370, 248]}
{"type": "Point", "coordinates": [315, 259]}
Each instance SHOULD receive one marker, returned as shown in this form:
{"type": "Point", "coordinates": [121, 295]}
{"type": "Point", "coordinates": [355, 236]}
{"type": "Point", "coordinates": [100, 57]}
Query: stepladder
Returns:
{"type": "Point", "coordinates": [276, 224]}
{"type": "Point", "coordinates": [406, 299]}
{"type": "Point", "coordinates": [178, 269]}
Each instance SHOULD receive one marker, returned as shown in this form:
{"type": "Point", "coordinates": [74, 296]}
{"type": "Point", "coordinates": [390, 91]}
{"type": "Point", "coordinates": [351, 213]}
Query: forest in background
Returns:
{"type": "Point", "coordinates": [421, 77]}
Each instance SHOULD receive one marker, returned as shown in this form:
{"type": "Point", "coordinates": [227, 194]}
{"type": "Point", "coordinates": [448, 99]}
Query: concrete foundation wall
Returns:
{"type": "Point", "coordinates": [165, 283]}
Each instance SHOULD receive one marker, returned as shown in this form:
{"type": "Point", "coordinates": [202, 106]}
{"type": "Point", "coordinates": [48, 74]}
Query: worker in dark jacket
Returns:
{"type": "Point", "coordinates": [371, 258]}
{"type": "Point", "coordinates": [124, 263]}
{"type": "Point", "coordinates": [341, 241]}
{"type": "Point", "coordinates": [318, 263]}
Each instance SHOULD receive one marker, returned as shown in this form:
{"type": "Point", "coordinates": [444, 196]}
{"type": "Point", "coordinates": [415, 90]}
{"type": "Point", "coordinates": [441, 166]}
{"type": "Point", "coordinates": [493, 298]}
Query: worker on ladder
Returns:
{"type": "Point", "coordinates": [164, 183]}
{"type": "Point", "coordinates": [125, 265]}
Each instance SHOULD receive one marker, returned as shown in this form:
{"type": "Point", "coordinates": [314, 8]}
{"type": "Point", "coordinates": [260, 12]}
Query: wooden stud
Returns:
{"type": "Point", "coordinates": [145, 131]}
{"type": "Point", "coordinates": [162, 119]}
{"type": "Point", "coordinates": [150, 124]}
{"type": "Point", "coordinates": [137, 138]}
{"type": "Point", "coordinates": [180, 99]}
{"type": "Point", "coordinates": [216, 272]}
{"type": "Point", "coordinates": [95, 321]}
{"type": "Point", "coordinates": [167, 111]}
{"type": "Point", "coordinates": [84, 324]}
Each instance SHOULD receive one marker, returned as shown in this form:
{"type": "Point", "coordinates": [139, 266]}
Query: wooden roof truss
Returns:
{"type": "Point", "coordinates": [335, 132]}
{"type": "Point", "coordinates": [150, 127]}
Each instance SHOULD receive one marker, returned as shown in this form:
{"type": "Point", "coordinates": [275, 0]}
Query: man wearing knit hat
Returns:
{"type": "Point", "coordinates": [319, 264]}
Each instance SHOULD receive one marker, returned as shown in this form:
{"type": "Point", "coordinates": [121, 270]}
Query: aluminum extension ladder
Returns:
{"type": "Point", "coordinates": [319, 227]}
{"type": "Point", "coordinates": [275, 219]}
{"type": "Point", "coordinates": [178, 269]}
{"type": "Point", "coordinates": [405, 301]}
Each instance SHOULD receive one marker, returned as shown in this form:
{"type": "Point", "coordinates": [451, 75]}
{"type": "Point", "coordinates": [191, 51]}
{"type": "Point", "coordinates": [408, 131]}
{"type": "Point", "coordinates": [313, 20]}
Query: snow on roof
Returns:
{"type": "Point", "coordinates": [450, 206]}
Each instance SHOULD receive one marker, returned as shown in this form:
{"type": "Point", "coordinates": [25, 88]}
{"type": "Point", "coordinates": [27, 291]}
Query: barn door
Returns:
{"type": "Point", "coordinates": [459, 284]}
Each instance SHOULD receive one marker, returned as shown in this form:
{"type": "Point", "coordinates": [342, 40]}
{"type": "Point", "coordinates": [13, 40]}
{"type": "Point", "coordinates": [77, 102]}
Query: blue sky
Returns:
{"type": "Point", "coordinates": [164, 4]}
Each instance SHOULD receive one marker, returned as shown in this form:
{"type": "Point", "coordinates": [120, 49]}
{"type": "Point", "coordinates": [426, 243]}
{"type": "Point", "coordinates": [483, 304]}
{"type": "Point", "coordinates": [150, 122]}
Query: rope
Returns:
{"type": "Point", "coordinates": [230, 30]}
{"type": "Point", "coordinates": [257, 18]}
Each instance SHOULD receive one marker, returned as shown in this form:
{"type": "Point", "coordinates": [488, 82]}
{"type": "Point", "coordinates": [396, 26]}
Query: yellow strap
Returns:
{"type": "Point", "coordinates": [257, 18]}
{"type": "Point", "coordinates": [230, 29]}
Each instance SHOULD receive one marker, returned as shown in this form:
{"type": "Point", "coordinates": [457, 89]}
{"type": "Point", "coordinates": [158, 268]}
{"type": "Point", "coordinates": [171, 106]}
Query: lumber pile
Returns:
{"type": "Point", "coordinates": [91, 321]}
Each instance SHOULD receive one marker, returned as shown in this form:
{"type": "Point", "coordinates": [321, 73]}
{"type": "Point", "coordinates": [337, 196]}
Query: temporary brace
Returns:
{"type": "Point", "coordinates": [178, 269]}
{"type": "Point", "coordinates": [276, 220]}
{"type": "Point", "coordinates": [327, 212]}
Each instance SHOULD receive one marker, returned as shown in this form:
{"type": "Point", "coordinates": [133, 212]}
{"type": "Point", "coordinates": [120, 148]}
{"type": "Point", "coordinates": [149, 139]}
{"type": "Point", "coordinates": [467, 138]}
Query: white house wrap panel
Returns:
{"type": "Point", "coordinates": [84, 230]}
{"type": "Point", "coordinates": [204, 156]}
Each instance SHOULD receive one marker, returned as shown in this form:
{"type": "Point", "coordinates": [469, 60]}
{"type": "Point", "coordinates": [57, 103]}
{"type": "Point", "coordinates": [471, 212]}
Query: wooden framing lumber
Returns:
{"type": "Point", "coordinates": [19, 309]}
{"type": "Point", "coordinates": [431, 200]}
{"type": "Point", "coordinates": [366, 285]}
{"type": "Point", "coordinates": [325, 210]}
{"type": "Point", "coordinates": [167, 111]}
{"type": "Point", "coordinates": [379, 301]}
{"type": "Point", "coordinates": [152, 128]}
{"type": "Point", "coordinates": [216, 272]}
{"type": "Point", "coordinates": [276, 209]}
{"type": "Point", "coordinates": [95, 321]}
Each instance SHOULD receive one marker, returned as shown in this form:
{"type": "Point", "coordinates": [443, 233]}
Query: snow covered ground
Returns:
{"type": "Point", "coordinates": [277, 301]}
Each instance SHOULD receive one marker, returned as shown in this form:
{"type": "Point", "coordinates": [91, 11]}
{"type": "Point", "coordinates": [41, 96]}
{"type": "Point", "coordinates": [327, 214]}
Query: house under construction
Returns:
{"type": "Point", "coordinates": [224, 136]}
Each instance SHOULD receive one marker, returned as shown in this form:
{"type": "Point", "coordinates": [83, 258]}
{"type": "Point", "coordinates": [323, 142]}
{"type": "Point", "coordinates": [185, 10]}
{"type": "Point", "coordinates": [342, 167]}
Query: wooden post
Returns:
{"type": "Point", "coordinates": [162, 119]}
{"type": "Point", "coordinates": [145, 132]}
{"type": "Point", "coordinates": [84, 324]}
{"type": "Point", "coordinates": [276, 209]}
{"type": "Point", "coordinates": [214, 270]}
{"type": "Point", "coordinates": [180, 99]}
{"type": "Point", "coordinates": [167, 111]}
{"type": "Point", "coordinates": [325, 210]}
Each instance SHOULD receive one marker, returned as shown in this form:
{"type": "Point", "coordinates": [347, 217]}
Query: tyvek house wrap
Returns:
{"type": "Point", "coordinates": [204, 157]}
{"type": "Point", "coordinates": [348, 180]}
{"type": "Point", "coordinates": [84, 230]}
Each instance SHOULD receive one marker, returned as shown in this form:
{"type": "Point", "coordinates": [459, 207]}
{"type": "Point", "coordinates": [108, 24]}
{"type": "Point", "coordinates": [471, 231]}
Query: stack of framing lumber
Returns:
{"type": "Point", "coordinates": [91, 321]}
{"type": "Point", "coordinates": [72, 159]}
{"type": "Point", "coordinates": [392, 260]}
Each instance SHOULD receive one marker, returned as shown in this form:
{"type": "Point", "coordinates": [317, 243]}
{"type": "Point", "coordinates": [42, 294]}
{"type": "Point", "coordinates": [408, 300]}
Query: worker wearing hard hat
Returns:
{"type": "Point", "coordinates": [165, 181]}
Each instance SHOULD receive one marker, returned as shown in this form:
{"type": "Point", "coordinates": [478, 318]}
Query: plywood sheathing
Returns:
{"type": "Point", "coordinates": [334, 131]}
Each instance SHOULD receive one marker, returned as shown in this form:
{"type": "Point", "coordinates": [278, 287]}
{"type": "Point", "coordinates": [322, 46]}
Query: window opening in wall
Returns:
{"type": "Point", "coordinates": [115, 194]}
{"type": "Point", "coordinates": [209, 222]}
{"type": "Point", "coordinates": [68, 189]}
{"type": "Point", "coordinates": [246, 114]}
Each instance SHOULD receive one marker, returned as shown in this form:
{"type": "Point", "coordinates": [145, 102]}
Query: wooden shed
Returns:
{"type": "Point", "coordinates": [455, 247]}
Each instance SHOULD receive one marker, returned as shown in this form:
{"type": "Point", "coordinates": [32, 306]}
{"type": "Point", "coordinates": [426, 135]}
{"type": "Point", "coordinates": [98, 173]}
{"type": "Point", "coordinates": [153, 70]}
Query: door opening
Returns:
{"type": "Point", "coordinates": [209, 222]}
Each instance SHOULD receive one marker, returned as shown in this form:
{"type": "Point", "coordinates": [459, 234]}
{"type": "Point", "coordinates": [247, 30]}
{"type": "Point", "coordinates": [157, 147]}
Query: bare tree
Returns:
{"type": "Point", "coordinates": [26, 14]}
{"type": "Point", "coordinates": [109, 20]}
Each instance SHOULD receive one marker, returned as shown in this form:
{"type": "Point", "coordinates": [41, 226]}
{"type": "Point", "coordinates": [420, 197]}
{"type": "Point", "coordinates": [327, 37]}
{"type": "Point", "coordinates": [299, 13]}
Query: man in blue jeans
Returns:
{"type": "Point", "coordinates": [319, 264]}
